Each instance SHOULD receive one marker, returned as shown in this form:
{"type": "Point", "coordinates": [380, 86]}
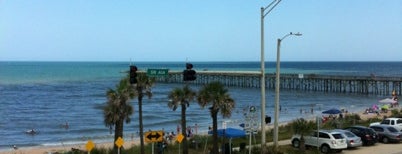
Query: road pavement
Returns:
{"type": "Point", "coordinates": [378, 148]}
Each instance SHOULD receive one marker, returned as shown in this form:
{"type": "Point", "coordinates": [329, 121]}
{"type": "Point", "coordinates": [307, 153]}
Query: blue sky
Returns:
{"type": "Point", "coordinates": [199, 30]}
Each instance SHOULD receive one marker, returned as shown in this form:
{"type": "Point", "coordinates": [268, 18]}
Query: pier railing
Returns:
{"type": "Point", "coordinates": [306, 82]}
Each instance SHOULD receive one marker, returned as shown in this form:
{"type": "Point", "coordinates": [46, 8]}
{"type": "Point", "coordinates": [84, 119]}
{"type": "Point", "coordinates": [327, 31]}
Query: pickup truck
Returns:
{"type": "Point", "coordinates": [395, 122]}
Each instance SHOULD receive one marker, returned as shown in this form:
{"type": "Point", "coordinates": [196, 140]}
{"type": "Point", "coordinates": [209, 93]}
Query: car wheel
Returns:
{"type": "Point", "coordinates": [385, 140]}
{"type": "Point", "coordinates": [325, 149]}
{"type": "Point", "coordinates": [296, 143]}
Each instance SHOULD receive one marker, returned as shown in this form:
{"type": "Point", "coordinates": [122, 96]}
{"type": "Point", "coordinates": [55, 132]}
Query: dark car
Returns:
{"type": "Point", "coordinates": [387, 133]}
{"type": "Point", "coordinates": [368, 135]}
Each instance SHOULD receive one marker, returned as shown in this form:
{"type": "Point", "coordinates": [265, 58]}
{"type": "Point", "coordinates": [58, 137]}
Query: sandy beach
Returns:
{"type": "Point", "coordinates": [65, 148]}
{"type": "Point", "coordinates": [61, 149]}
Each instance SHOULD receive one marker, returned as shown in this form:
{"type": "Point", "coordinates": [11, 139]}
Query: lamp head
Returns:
{"type": "Point", "coordinates": [297, 34]}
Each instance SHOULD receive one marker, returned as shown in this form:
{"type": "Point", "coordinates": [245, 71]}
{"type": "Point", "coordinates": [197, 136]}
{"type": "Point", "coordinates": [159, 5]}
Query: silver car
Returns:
{"type": "Point", "coordinates": [351, 139]}
{"type": "Point", "coordinates": [387, 133]}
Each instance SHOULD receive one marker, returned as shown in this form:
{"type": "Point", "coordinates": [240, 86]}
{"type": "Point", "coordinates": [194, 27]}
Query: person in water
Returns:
{"type": "Point", "coordinates": [31, 132]}
{"type": "Point", "coordinates": [66, 126]}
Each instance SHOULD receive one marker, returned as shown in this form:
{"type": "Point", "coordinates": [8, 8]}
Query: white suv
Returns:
{"type": "Point", "coordinates": [327, 140]}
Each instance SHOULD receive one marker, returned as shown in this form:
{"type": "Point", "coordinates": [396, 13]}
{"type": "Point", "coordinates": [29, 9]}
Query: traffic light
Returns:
{"type": "Point", "coordinates": [188, 73]}
{"type": "Point", "coordinates": [189, 66]}
{"type": "Point", "coordinates": [267, 119]}
{"type": "Point", "coordinates": [133, 74]}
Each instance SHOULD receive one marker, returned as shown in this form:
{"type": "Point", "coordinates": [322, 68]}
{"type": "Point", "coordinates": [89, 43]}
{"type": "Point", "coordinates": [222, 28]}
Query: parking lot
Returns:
{"type": "Point", "coordinates": [378, 148]}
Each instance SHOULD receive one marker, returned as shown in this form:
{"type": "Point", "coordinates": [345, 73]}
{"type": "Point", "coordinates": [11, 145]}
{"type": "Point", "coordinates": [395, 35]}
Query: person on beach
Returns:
{"type": "Point", "coordinates": [196, 129]}
{"type": "Point", "coordinates": [178, 129]}
{"type": "Point", "coordinates": [395, 98]}
{"type": "Point", "coordinates": [189, 132]}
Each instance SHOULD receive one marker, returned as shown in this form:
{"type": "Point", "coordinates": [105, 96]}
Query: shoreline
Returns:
{"type": "Point", "coordinates": [57, 148]}
{"type": "Point", "coordinates": [41, 149]}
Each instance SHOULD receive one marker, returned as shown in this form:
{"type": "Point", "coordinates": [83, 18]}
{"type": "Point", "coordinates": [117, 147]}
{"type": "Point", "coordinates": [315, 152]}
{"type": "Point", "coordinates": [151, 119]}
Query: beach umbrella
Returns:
{"type": "Point", "coordinates": [332, 111]}
{"type": "Point", "coordinates": [387, 101]}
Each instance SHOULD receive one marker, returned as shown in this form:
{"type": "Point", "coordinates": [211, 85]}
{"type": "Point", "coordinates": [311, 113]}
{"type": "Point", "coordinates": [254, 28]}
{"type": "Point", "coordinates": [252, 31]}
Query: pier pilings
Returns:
{"type": "Point", "coordinates": [376, 85]}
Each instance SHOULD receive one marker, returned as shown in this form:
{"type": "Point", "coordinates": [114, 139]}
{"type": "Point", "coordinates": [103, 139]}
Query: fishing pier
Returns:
{"type": "Point", "coordinates": [376, 85]}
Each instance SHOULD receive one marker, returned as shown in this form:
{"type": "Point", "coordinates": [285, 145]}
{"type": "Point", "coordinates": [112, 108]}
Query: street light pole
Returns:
{"type": "Point", "coordinates": [277, 86]}
{"type": "Point", "coordinates": [263, 14]}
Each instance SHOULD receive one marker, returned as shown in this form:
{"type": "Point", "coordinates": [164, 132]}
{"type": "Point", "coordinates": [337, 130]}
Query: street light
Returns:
{"type": "Point", "coordinates": [263, 14]}
{"type": "Point", "coordinates": [278, 62]}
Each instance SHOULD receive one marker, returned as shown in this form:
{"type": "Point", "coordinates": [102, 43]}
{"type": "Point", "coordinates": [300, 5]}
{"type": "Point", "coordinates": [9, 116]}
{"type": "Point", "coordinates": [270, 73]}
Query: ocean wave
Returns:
{"type": "Point", "coordinates": [64, 143]}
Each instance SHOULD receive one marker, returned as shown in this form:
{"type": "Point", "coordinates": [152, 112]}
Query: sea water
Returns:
{"type": "Point", "coordinates": [46, 95]}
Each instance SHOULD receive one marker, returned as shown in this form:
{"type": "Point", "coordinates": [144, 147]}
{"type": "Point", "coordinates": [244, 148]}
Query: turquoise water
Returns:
{"type": "Point", "coordinates": [45, 95]}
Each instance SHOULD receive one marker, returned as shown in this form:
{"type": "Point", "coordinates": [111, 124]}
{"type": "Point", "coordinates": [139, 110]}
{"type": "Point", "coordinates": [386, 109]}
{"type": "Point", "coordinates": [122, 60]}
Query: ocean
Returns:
{"type": "Point", "coordinates": [45, 95]}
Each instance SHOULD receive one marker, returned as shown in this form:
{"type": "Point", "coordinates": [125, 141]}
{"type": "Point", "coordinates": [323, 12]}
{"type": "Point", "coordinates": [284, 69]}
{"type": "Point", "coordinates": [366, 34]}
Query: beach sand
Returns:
{"type": "Point", "coordinates": [55, 149]}
{"type": "Point", "coordinates": [61, 149]}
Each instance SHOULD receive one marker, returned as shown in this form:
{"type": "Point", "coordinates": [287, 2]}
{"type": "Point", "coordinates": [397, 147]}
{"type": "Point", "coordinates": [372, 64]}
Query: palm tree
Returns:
{"type": "Point", "coordinates": [182, 97]}
{"type": "Point", "coordinates": [143, 88]}
{"type": "Point", "coordinates": [301, 126]}
{"type": "Point", "coordinates": [118, 109]}
{"type": "Point", "coordinates": [217, 96]}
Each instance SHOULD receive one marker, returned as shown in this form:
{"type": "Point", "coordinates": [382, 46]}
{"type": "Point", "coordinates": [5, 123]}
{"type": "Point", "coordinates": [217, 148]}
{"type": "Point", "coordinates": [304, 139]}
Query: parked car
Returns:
{"type": "Point", "coordinates": [368, 135]}
{"type": "Point", "coordinates": [387, 133]}
{"type": "Point", "coordinates": [394, 122]}
{"type": "Point", "coordinates": [326, 140]}
{"type": "Point", "coordinates": [351, 139]}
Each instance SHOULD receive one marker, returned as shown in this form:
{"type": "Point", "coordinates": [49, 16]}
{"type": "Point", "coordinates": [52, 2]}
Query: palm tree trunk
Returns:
{"type": "Point", "coordinates": [184, 126]}
{"type": "Point", "coordinates": [215, 147]}
{"type": "Point", "coordinates": [302, 144]}
{"type": "Point", "coordinates": [118, 132]}
{"type": "Point", "coordinates": [140, 95]}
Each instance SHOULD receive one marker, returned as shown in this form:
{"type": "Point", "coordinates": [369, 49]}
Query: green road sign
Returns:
{"type": "Point", "coordinates": [157, 72]}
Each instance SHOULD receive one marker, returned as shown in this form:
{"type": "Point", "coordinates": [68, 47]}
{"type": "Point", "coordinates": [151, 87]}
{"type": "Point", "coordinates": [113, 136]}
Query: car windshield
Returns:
{"type": "Point", "coordinates": [392, 129]}
{"type": "Point", "coordinates": [337, 136]}
{"type": "Point", "coordinates": [385, 122]}
{"type": "Point", "coordinates": [349, 134]}
{"type": "Point", "coordinates": [370, 131]}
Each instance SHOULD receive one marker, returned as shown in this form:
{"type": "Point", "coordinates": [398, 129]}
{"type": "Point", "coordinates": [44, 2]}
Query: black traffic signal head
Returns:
{"type": "Point", "coordinates": [133, 74]}
{"type": "Point", "coordinates": [188, 73]}
{"type": "Point", "coordinates": [267, 119]}
{"type": "Point", "coordinates": [189, 66]}
{"type": "Point", "coordinates": [133, 68]}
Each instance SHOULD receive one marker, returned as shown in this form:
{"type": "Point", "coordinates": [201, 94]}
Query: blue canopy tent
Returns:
{"type": "Point", "coordinates": [230, 133]}
{"type": "Point", "coordinates": [332, 111]}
